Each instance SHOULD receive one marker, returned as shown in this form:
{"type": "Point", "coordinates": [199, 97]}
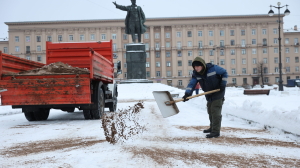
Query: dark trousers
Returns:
{"type": "Point", "coordinates": [214, 110]}
{"type": "Point", "coordinates": [135, 28]}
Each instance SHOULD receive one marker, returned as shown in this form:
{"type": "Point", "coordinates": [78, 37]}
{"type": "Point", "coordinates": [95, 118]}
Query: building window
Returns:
{"type": "Point", "coordinates": [243, 51]}
{"type": "Point", "coordinates": [200, 33]}
{"type": "Point", "coordinates": [233, 61]}
{"type": "Point", "coordinates": [200, 53]}
{"type": "Point", "coordinates": [296, 49]}
{"type": "Point", "coordinates": [222, 52]}
{"type": "Point", "coordinates": [157, 46]}
{"type": "Point", "coordinates": [254, 60]}
{"type": "Point", "coordinates": [253, 41]}
{"type": "Point", "coordinates": [27, 38]}
{"type": "Point", "coordinates": [125, 46]}
{"type": "Point", "coordinates": [297, 69]}
{"type": "Point", "coordinates": [39, 58]}
{"type": "Point", "coordinates": [125, 55]}
{"type": "Point", "coordinates": [179, 53]}
{"type": "Point", "coordinates": [147, 64]}
{"type": "Point", "coordinates": [168, 63]}
{"type": "Point", "coordinates": [179, 63]}
{"type": "Point", "coordinates": [157, 54]}
{"type": "Point", "coordinates": [28, 57]}
{"type": "Point", "coordinates": [222, 62]}
{"type": "Point", "coordinates": [103, 36]}
{"type": "Point", "coordinates": [276, 60]}
{"type": "Point", "coordinates": [275, 50]}
{"type": "Point", "coordinates": [232, 51]}
{"type": "Point", "coordinates": [210, 33]}
{"type": "Point", "coordinates": [254, 70]}
{"type": "Point", "coordinates": [38, 48]}
{"type": "Point", "coordinates": [287, 59]}
{"type": "Point", "coordinates": [233, 71]}
{"type": "Point", "coordinates": [253, 31]}
{"type": "Point", "coordinates": [212, 61]}
{"type": "Point", "coordinates": [211, 52]}
{"type": "Point", "coordinates": [211, 42]}
{"type": "Point", "coordinates": [243, 32]}
{"type": "Point", "coordinates": [59, 37]}
{"type": "Point", "coordinates": [287, 69]}
{"type": "Point", "coordinates": [200, 44]}
{"type": "Point", "coordinates": [265, 51]}
{"type": "Point", "coordinates": [17, 49]}
{"type": "Point", "coordinates": [243, 42]}
{"type": "Point", "coordinates": [179, 72]}
{"type": "Point", "coordinates": [178, 34]}
{"type": "Point", "coordinates": [244, 61]}
{"type": "Point", "coordinates": [190, 44]}
{"type": "Point", "coordinates": [49, 38]}
{"type": "Point", "coordinates": [27, 49]}
{"type": "Point", "coordinates": [296, 41]}
{"type": "Point", "coordinates": [147, 54]}
{"type": "Point", "coordinates": [92, 36]}
{"type": "Point", "coordinates": [190, 72]}
{"type": "Point", "coordinates": [296, 59]}
{"type": "Point", "coordinates": [231, 32]}
{"type": "Point", "coordinates": [147, 46]}
{"type": "Point", "coordinates": [71, 38]}
{"type": "Point", "coordinates": [265, 42]}
{"type": "Point", "coordinates": [169, 74]}
{"type": "Point", "coordinates": [146, 35]}
{"type": "Point", "coordinates": [157, 64]}
{"type": "Point", "coordinates": [265, 60]}
{"type": "Point", "coordinates": [168, 54]}
{"type": "Point", "coordinates": [179, 82]}
{"type": "Point", "coordinates": [168, 44]}
{"type": "Point", "coordinates": [125, 65]}
{"type": "Point", "coordinates": [124, 36]}
{"type": "Point", "coordinates": [38, 39]}
{"type": "Point", "coordinates": [287, 40]}
{"type": "Point", "coordinates": [287, 50]}
{"type": "Point", "coordinates": [17, 39]}
{"type": "Point", "coordinates": [264, 31]}
{"type": "Point", "coordinates": [81, 37]}
{"type": "Point", "coordinates": [190, 53]}
{"type": "Point", "coordinates": [275, 40]}
{"type": "Point", "coordinates": [189, 33]}
{"type": "Point", "coordinates": [222, 43]}
{"type": "Point", "coordinates": [222, 33]}
{"type": "Point", "coordinates": [234, 80]}
{"type": "Point", "coordinates": [265, 70]}
{"type": "Point", "coordinates": [244, 80]}
{"type": "Point", "coordinates": [190, 62]}
{"type": "Point", "coordinates": [179, 45]}
{"type": "Point", "coordinates": [244, 71]}
{"type": "Point", "coordinates": [168, 35]}
{"type": "Point", "coordinates": [114, 47]}
{"type": "Point", "coordinates": [157, 73]}
{"type": "Point", "coordinates": [253, 50]}
{"type": "Point", "coordinates": [232, 42]}
{"type": "Point", "coordinates": [275, 31]}
{"type": "Point", "coordinates": [157, 35]}
{"type": "Point", "coordinates": [5, 50]}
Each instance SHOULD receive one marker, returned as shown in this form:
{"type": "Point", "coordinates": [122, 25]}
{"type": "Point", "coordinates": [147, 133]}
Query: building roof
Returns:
{"type": "Point", "coordinates": [158, 18]}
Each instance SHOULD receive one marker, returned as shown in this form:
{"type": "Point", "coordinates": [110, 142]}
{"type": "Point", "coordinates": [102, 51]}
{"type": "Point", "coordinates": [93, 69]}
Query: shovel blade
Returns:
{"type": "Point", "coordinates": [161, 97]}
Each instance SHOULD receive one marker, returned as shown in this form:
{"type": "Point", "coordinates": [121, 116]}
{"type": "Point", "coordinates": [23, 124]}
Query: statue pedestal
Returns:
{"type": "Point", "coordinates": [136, 63]}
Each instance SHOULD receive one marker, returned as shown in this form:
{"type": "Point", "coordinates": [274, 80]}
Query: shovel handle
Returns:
{"type": "Point", "coordinates": [201, 94]}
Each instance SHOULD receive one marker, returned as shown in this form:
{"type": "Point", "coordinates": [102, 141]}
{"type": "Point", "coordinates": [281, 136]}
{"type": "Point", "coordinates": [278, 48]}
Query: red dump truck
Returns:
{"type": "Point", "coordinates": [36, 94]}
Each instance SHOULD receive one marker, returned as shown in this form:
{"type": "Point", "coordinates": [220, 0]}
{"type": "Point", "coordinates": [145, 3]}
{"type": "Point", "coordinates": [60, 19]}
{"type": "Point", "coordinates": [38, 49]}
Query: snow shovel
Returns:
{"type": "Point", "coordinates": [167, 105]}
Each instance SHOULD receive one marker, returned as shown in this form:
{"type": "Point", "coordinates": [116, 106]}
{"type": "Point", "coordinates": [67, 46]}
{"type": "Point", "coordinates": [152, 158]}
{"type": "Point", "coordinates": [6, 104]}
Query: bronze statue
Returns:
{"type": "Point", "coordinates": [135, 19]}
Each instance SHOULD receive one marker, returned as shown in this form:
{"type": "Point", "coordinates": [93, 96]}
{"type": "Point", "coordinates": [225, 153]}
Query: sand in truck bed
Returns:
{"type": "Point", "coordinates": [55, 68]}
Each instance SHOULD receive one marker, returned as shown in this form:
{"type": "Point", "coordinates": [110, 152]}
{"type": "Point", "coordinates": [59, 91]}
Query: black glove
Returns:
{"type": "Point", "coordinates": [222, 88]}
{"type": "Point", "coordinates": [185, 96]}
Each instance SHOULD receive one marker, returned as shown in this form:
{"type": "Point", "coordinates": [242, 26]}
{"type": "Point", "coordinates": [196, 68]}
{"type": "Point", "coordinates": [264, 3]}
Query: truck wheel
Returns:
{"type": "Point", "coordinates": [100, 102]}
{"type": "Point", "coordinates": [29, 116]}
{"type": "Point", "coordinates": [87, 114]}
{"type": "Point", "coordinates": [43, 114]}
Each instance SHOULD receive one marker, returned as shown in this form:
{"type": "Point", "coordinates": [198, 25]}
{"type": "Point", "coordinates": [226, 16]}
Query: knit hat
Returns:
{"type": "Point", "coordinates": [197, 63]}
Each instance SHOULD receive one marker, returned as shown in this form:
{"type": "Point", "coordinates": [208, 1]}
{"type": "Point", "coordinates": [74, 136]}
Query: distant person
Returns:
{"type": "Point", "coordinates": [210, 77]}
{"type": "Point", "coordinates": [197, 88]}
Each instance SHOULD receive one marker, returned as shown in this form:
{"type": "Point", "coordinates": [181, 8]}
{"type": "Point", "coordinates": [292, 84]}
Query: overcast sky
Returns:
{"type": "Point", "coordinates": [48, 10]}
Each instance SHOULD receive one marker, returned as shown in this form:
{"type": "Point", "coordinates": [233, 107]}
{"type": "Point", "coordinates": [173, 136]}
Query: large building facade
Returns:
{"type": "Point", "coordinates": [247, 46]}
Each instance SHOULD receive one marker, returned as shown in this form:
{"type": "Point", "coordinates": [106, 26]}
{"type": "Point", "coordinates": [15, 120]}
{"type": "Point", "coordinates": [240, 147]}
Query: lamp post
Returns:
{"type": "Point", "coordinates": [271, 13]}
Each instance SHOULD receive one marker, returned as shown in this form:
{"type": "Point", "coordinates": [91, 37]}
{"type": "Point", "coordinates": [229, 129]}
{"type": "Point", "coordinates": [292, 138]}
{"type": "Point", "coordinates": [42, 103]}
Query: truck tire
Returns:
{"type": "Point", "coordinates": [87, 114]}
{"type": "Point", "coordinates": [99, 101]}
{"type": "Point", "coordinates": [43, 114]}
{"type": "Point", "coordinates": [29, 116]}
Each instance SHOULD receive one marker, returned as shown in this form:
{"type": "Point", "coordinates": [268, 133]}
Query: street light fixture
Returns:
{"type": "Point", "coordinates": [286, 13]}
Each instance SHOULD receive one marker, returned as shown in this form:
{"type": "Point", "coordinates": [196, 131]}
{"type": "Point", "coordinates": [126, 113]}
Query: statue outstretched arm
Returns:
{"type": "Point", "coordinates": [124, 8]}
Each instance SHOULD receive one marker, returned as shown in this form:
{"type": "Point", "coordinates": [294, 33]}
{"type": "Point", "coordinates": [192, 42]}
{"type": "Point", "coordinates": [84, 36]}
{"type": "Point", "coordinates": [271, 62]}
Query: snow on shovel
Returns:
{"type": "Point", "coordinates": [167, 105]}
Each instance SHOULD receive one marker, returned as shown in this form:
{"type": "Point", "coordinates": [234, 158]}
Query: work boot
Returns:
{"type": "Point", "coordinates": [207, 130]}
{"type": "Point", "coordinates": [213, 135]}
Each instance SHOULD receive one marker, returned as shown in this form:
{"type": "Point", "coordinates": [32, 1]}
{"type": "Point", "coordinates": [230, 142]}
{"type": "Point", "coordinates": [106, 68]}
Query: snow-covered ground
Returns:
{"type": "Point", "coordinates": [257, 131]}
